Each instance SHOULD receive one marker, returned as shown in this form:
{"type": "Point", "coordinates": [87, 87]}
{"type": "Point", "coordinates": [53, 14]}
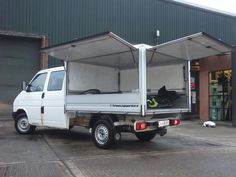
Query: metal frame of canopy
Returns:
{"type": "Point", "coordinates": [108, 49]}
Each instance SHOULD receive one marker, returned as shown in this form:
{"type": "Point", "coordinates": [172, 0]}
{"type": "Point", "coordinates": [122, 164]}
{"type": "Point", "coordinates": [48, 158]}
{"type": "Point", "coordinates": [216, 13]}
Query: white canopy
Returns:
{"type": "Point", "coordinates": [105, 49]}
{"type": "Point", "coordinates": [196, 46]}
{"type": "Point", "coordinates": [108, 49]}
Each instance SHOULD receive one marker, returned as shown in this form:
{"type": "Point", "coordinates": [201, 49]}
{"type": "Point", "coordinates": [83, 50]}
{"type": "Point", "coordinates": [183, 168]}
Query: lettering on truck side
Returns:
{"type": "Point", "coordinates": [124, 105]}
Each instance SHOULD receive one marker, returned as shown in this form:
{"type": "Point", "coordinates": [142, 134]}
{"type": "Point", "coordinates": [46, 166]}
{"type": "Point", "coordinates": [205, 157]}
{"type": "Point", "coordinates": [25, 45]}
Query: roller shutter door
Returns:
{"type": "Point", "coordinates": [19, 61]}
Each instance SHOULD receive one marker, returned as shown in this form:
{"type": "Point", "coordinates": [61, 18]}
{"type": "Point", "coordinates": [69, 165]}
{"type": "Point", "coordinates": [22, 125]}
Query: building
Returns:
{"type": "Point", "coordinates": [26, 26]}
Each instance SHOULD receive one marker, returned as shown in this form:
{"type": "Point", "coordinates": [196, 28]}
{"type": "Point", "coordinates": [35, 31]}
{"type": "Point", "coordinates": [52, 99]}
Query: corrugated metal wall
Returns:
{"type": "Point", "coordinates": [16, 53]}
{"type": "Point", "coordinates": [134, 20]}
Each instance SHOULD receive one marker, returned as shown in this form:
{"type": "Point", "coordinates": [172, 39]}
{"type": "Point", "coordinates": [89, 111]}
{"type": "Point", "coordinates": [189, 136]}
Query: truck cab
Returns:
{"type": "Point", "coordinates": [42, 101]}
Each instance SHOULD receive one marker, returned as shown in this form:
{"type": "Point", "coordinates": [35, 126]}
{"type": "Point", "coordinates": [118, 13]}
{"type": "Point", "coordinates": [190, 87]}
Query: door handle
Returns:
{"type": "Point", "coordinates": [43, 94]}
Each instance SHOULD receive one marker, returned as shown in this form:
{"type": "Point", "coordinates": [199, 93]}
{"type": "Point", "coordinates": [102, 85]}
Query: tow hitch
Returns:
{"type": "Point", "coordinates": [162, 131]}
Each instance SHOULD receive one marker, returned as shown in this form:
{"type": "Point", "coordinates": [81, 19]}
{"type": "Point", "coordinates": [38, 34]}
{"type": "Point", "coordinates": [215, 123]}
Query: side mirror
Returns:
{"type": "Point", "coordinates": [23, 85]}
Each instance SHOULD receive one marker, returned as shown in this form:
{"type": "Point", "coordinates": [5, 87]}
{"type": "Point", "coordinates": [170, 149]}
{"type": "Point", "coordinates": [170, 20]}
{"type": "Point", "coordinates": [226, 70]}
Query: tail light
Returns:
{"type": "Point", "coordinates": [140, 125]}
{"type": "Point", "coordinates": [174, 122]}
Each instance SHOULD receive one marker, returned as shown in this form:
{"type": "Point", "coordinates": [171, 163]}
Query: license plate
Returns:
{"type": "Point", "coordinates": [163, 123]}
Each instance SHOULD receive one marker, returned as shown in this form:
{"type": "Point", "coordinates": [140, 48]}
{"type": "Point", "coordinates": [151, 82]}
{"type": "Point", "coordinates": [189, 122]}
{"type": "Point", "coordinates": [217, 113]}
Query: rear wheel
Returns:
{"type": "Point", "coordinates": [103, 134]}
{"type": "Point", "coordinates": [22, 125]}
{"type": "Point", "coordinates": [71, 126]}
{"type": "Point", "coordinates": [145, 136]}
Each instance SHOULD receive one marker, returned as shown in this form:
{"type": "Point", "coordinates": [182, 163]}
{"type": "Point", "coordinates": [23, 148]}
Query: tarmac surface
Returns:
{"type": "Point", "coordinates": [188, 150]}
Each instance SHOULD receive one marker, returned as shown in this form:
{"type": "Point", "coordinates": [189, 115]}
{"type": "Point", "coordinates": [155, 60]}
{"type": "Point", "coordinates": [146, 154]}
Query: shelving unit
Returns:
{"type": "Point", "coordinates": [220, 98]}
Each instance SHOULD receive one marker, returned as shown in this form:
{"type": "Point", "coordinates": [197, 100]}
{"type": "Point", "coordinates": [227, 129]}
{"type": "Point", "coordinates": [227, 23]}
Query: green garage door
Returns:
{"type": "Point", "coordinates": [19, 61]}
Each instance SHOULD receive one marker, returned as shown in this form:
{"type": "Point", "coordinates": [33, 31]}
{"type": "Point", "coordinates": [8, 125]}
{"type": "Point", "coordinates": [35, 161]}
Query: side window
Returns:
{"type": "Point", "coordinates": [37, 84]}
{"type": "Point", "coordinates": [56, 80]}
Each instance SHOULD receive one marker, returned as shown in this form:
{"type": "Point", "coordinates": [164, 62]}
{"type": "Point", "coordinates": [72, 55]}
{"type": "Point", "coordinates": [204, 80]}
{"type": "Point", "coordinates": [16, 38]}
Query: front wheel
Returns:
{"type": "Point", "coordinates": [145, 136]}
{"type": "Point", "coordinates": [22, 125]}
{"type": "Point", "coordinates": [103, 134]}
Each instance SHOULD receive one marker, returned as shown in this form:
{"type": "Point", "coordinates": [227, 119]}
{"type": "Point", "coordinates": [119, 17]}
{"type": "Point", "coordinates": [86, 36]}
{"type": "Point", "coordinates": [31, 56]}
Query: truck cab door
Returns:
{"type": "Point", "coordinates": [32, 98]}
{"type": "Point", "coordinates": [54, 101]}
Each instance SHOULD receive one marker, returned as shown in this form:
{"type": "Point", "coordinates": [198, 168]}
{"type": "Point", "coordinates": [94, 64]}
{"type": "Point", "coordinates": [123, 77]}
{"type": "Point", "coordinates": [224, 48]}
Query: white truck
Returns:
{"type": "Point", "coordinates": [111, 86]}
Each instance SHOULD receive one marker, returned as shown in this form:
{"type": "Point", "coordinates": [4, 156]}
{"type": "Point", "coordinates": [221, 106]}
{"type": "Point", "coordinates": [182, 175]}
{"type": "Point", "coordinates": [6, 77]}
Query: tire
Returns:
{"type": "Point", "coordinates": [71, 126]}
{"type": "Point", "coordinates": [103, 134]}
{"type": "Point", "coordinates": [145, 136]}
{"type": "Point", "coordinates": [22, 125]}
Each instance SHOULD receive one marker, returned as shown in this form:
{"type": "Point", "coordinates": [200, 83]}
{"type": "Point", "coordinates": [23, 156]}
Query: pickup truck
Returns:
{"type": "Point", "coordinates": [110, 86]}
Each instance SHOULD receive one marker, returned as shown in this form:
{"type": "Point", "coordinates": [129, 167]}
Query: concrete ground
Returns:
{"type": "Point", "coordinates": [189, 150]}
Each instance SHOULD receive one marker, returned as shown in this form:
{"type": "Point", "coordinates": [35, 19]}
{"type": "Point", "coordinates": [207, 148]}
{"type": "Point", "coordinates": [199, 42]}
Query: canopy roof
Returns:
{"type": "Point", "coordinates": [196, 46]}
{"type": "Point", "coordinates": [108, 49]}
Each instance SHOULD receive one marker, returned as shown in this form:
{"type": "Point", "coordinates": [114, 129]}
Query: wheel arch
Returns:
{"type": "Point", "coordinates": [19, 111]}
{"type": "Point", "coordinates": [109, 117]}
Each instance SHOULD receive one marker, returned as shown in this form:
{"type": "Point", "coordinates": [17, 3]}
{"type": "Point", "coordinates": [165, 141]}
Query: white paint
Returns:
{"type": "Point", "coordinates": [31, 102]}
{"type": "Point", "coordinates": [112, 103]}
{"type": "Point", "coordinates": [170, 75]}
{"type": "Point", "coordinates": [85, 76]}
{"type": "Point", "coordinates": [129, 80]}
{"type": "Point", "coordinates": [54, 102]}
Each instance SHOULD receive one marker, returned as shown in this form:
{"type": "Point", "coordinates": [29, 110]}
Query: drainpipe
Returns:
{"type": "Point", "coordinates": [44, 57]}
{"type": "Point", "coordinates": [233, 58]}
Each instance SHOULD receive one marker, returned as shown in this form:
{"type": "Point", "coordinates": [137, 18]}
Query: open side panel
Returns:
{"type": "Point", "coordinates": [105, 46]}
{"type": "Point", "coordinates": [192, 47]}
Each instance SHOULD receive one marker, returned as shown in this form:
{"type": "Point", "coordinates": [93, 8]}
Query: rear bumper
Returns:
{"type": "Point", "coordinates": [155, 124]}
